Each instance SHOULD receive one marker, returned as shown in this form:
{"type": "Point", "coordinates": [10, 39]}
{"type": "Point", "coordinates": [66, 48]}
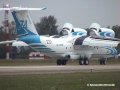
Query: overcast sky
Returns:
{"type": "Point", "coordinates": [81, 13]}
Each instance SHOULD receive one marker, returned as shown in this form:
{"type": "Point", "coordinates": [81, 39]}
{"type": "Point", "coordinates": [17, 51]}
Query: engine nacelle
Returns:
{"type": "Point", "coordinates": [69, 30]}
{"type": "Point", "coordinates": [95, 26]}
{"type": "Point", "coordinates": [66, 30]}
{"type": "Point", "coordinates": [101, 32]}
{"type": "Point", "coordinates": [106, 32]}
{"type": "Point", "coordinates": [79, 32]}
{"type": "Point", "coordinates": [68, 26]}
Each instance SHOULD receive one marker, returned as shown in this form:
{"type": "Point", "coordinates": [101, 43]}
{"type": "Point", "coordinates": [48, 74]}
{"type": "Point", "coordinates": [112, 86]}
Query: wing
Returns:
{"type": "Point", "coordinates": [97, 41]}
{"type": "Point", "coordinates": [7, 42]}
{"type": "Point", "coordinates": [14, 43]}
{"type": "Point", "coordinates": [19, 43]}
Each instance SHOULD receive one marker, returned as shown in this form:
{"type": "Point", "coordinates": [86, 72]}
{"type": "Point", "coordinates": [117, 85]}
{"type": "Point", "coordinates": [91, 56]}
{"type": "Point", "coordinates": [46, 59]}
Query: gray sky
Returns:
{"type": "Point", "coordinates": [81, 13]}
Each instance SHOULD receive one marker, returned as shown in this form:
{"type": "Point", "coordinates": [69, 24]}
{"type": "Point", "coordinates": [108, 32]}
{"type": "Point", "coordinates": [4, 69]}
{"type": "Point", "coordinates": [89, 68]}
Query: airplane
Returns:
{"type": "Point", "coordinates": [72, 43]}
{"type": "Point", "coordinates": [97, 33]}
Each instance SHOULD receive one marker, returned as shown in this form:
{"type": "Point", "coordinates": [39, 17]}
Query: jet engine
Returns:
{"type": "Point", "coordinates": [69, 30]}
{"type": "Point", "coordinates": [96, 30]}
{"type": "Point", "coordinates": [106, 32]}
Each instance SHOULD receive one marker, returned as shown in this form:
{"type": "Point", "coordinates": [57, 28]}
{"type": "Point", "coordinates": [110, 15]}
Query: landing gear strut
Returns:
{"type": "Point", "coordinates": [83, 61]}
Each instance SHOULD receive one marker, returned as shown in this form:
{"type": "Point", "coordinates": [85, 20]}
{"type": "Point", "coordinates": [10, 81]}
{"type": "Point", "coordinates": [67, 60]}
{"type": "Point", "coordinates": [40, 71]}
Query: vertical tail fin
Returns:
{"type": "Point", "coordinates": [24, 24]}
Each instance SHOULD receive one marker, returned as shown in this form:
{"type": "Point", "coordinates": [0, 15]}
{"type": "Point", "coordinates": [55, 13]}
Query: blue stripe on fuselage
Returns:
{"type": "Point", "coordinates": [111, 51]}
{"type": "Point", "coordinates": [78, 33]}
{"type": "Point", "coordinates": [106, 34]}
{"type": "Point", "coordinates": [34, 42]}
{"type": "Point", "coordinates": [30, 39]}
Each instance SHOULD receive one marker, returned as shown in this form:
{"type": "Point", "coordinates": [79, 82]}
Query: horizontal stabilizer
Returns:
{"type": "Point", "coordinates": [14, 43]}
{"type": "Point", "coordinates": [19, 43]}
{"type": "Point", "coordinates": [7, 42]}
{"type": "Point", "coordinates": [21, 9]}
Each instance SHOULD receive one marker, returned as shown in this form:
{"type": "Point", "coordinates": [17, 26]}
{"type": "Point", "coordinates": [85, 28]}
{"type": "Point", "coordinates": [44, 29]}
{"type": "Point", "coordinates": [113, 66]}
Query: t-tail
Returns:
{"type": "Point", "coordinates": [25, 28]}
{"type": "Point", "coordinates": [24, 24]}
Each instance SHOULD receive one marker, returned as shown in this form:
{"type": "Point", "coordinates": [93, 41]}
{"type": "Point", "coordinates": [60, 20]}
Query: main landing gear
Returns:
{"type": "Point", "coordinates": [62, 61]}
{"type": "Point", "coordinates": [83, 61]}
{"type": "Point", "coordinates": [102, 61]}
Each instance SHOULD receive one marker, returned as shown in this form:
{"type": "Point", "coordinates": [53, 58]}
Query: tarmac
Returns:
{"type": "Point", "coordinates": [23, 70]}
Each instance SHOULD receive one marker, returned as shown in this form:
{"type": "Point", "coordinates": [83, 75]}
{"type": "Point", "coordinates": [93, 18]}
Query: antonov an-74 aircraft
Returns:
{"type": "Point", "coordinates": [72, 43]}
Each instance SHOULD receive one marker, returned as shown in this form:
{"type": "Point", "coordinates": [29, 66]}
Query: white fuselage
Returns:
{"type": "Point", "coordinates": [63, 46]}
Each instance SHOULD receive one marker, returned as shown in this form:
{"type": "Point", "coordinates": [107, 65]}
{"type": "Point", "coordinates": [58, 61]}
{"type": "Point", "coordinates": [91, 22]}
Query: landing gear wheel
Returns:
{"type": "Point", "coordinates": [61, 62]}
{"type": "Point", "coordinates": [58, 62]}
{"type": "Point", "coordinates": [81, 61]}
{"type": "Point", "coordinates": [102, 61]}
{"type": "Point", "coordinates": [86, 62]}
